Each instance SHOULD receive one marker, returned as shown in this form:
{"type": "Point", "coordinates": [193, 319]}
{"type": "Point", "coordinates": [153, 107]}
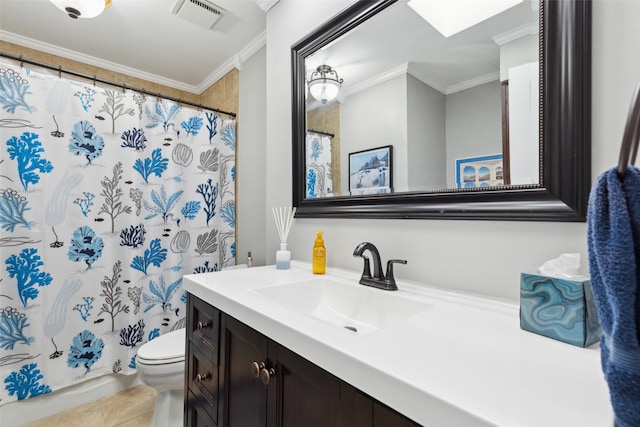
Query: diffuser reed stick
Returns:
{"type": "Point", "coordinates": [284, 219]}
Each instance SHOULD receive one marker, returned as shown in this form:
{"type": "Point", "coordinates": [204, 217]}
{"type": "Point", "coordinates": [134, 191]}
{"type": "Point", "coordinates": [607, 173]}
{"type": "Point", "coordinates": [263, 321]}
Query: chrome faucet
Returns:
{"type": "Point", "coordinates": [378, 280]}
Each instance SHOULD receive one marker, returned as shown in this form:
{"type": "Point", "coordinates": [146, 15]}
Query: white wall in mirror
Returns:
{"type": "Point", "coordinates": [428, 130]}
{"type": "Point", "coordinates": [367, 127]}
{"type": "Point", "coordinates": [474, 125]}
{"type": "Point", "coordinates": [426, 136]}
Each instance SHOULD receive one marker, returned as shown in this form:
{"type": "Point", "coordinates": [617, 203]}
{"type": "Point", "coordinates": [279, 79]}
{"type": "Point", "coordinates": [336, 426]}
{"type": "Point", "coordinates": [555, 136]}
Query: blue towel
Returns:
{"type": "Point", "coordinates": [613, 231]}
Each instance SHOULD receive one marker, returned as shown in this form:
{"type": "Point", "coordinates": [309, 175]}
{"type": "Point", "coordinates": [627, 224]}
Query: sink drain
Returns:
{"type": "Point", "coordinates": [351, 328]}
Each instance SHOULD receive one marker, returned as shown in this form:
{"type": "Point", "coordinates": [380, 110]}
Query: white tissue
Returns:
{"type": "Point", "coordinates": [565, 266]}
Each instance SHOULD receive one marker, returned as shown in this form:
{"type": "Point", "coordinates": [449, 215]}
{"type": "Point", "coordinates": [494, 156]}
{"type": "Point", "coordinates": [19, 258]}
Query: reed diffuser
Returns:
{"type": "Point", "coordinates": [284, 219]}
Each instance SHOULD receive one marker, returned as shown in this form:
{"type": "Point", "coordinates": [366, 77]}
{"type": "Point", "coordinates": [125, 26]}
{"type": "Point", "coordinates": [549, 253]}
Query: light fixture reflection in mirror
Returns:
{"type": "Point", "coordinates": [324, 84]}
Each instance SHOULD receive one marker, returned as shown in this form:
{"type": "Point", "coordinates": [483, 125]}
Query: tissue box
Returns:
{"type": "Point", "coordinates": [562, 309]}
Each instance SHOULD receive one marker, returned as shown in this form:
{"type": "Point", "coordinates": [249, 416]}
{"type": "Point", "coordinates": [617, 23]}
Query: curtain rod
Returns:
{"type": "Point", "coordinates": [330, 135]}
{"type": "Point", "coordinates": [123, 86]}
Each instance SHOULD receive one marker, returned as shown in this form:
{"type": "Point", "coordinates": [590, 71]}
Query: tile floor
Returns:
{"type": "Point", "coordinates": [129, 408]}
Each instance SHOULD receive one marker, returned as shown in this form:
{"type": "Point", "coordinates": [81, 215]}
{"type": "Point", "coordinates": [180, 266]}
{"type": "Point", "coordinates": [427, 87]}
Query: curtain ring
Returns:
{"type": "Point", "coordinates": [59, 71]}
{"type": "Point", "coordinates": [21, 62]}
{"type": "Point", "coordinates": [124, 88]}
{"type": "Point", "coordinates": [94, 80]}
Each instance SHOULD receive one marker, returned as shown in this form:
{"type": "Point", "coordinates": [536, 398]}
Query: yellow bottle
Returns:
{"type": "Point", "coordinates": [319, 258]}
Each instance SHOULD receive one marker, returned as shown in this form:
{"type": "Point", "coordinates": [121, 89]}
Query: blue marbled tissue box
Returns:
{"type": "Point", "coordinates": [562, 309]}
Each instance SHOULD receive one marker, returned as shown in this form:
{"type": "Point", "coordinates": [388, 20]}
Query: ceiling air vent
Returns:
{"type": "Point", "coordinates": [199, 12]}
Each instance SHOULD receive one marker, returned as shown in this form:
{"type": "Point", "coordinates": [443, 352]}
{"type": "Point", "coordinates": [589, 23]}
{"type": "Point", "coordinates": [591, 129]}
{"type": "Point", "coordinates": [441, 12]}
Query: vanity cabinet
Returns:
{"type": "Point", "coordinates": [261, 383]}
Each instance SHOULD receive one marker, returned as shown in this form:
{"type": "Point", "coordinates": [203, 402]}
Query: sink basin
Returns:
{"type": "Point", "coordinates": [355, 307]}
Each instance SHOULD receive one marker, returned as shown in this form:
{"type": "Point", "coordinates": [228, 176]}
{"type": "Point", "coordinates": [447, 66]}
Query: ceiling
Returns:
{"type": "Point", "coordinates": [376, 50]}
{"type": "Point", "coordinates": [142, 38]}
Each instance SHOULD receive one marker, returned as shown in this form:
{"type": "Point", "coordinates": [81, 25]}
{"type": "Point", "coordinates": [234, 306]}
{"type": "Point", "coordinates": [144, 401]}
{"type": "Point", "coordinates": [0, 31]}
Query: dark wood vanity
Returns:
{"type": "Point", "coordinates": [237, 377]}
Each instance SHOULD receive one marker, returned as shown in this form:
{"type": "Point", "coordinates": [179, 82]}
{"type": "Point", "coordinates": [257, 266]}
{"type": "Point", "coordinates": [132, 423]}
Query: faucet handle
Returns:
{"type": "Point", "coordinates": [389, 279]}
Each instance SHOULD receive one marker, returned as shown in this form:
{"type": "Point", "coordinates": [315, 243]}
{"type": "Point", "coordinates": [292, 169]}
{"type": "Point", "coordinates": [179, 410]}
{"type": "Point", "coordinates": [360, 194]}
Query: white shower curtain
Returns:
{"type": "Point", "coordinates": [318, 161]}
{"type": "Point", "coordinates": [107, 198]}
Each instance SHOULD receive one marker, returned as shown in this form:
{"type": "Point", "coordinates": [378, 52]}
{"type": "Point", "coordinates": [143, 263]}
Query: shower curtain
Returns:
{"type": "Point", "coordinates": [318, 161]}
{"type": "Point", "coordinates": [107, 198]}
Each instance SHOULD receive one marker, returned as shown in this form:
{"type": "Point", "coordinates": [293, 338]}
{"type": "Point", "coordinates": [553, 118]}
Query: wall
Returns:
{"type": "Point", "coordinates": [474, 125]}
{"type": "Point", "coordinates": [373, 118]}
{"type": "Point", "coordinates": [98, 72]}
{"type": "Point", "coordinates": [403, 112]}
{"type": "Point", "coordinates": [426, 138]}
{"type": "Point", "coordinates": [223, 94]}
{"type": "Point", "coordinates": [250, 160]}
{"type": "Point", "coordinates": [484, 257]}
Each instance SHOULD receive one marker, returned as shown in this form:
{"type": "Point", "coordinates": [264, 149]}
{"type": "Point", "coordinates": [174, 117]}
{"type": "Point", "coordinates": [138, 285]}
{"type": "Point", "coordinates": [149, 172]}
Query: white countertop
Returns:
{"type": "Point", "coordinates": [465, 362]}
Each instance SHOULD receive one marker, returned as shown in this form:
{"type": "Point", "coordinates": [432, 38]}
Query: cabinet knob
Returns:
{"type": "Point", "coordinates": [266, 374]}
{"type": "Point", "coordinates": [202, 377]}
{"type": "Point", "coordinates": [256, 367]}
{"type": "Point", "coordinates": [201, 325]}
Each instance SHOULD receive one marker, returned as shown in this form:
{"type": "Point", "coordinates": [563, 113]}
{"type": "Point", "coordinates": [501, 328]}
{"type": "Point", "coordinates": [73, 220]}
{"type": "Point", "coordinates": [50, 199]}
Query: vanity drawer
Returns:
{"type": "Point", "coordinates": [203, 380]}
{"type": "Point", "coordinates": [204, 327]}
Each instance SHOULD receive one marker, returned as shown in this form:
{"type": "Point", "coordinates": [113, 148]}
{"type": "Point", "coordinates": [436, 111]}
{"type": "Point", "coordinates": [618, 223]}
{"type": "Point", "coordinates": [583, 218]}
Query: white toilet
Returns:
{"type": "Point", "coordinates": [160, 365]}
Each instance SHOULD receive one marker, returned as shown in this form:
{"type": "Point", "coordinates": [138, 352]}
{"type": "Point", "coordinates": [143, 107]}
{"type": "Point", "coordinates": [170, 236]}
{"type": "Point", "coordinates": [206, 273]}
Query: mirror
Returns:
{"type": "Point", "coordinates": [467, 153]}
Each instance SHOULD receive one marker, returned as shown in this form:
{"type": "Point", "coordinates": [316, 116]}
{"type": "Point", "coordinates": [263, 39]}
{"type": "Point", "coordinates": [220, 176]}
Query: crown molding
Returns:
{"type": "Point", "coordinates": [376, 80]}
{"type": "Point", "coordinates": [426, 79]}
{"type": "Point", "coordinates": [516, 33]}
{"type": "Point", "coordinates": [480, 80]}
{"type": "Point", "coordinates": [408, 68]}
{"type": "Point", "coordinates": [92, 60]}
{"type": "Point", "coordinates": [265, 5]}
{"type": "Point", "coordinates": [234, 62]}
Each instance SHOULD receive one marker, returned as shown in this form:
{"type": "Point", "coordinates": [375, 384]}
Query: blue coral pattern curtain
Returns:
{"type": "Point", "coordinates": [319, 172]}
{"type": "Point", "coordinates": [107, 198]}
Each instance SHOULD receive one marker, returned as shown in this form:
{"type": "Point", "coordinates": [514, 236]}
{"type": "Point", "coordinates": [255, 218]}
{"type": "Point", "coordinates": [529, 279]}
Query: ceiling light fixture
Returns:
{"type": "Point", "coordinates": [324, 84]}
{"type": "Point", "coordinates": [82, 8]}
{"type": "Point", "coordinates": [450, 17]}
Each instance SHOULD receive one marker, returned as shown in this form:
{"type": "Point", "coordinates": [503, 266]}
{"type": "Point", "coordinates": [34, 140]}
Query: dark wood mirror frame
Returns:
{"type": "Point", "coordinates": [565, 129]}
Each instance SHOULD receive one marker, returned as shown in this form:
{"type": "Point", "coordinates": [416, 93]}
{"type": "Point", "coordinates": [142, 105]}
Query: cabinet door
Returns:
{"type": "Point", "coordinates": [244, 401]}
{"type": "Point", "coordinates": [195, 415]}
{"type": "Point", "coordinates": [306, 395]}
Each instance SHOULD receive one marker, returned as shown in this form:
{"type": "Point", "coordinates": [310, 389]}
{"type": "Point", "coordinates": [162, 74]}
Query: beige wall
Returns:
{"type": "Point", "coordinates": [222, 95]}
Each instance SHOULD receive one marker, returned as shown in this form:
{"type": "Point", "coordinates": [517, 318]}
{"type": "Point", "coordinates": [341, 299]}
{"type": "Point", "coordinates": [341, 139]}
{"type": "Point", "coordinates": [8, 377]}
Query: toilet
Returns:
{"type": "Point", "coordinates": [160, 364]}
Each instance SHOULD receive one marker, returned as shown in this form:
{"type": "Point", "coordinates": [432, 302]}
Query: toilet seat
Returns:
{"type": "Point", "coordinates": [164, 350]}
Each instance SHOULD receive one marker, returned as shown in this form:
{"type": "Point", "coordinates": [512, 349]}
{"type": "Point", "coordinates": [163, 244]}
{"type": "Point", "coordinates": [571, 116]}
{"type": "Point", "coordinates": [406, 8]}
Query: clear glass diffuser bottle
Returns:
{"type": "Point", "coordinates": [283, 257]}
